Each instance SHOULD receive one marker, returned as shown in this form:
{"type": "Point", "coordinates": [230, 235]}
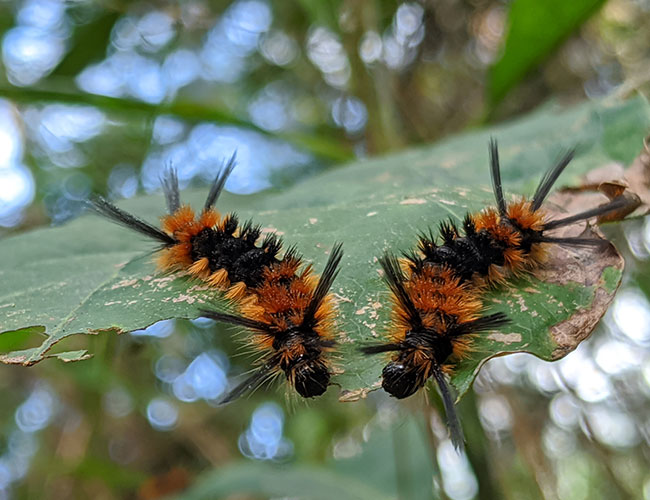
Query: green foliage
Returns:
{"type": "Point", "coordinates": [91, 276]}
{"type": "Point", "coordinates": [309, 483]}
{"type": "Point", "coordinates": [369, 473]}
{"type": "Point", "coordinates": [60, 280]}
{"type": "Point", "coordinates": [187, 109]}
{"type": "Point", "coordinates": [88, 45]}
{"type": "Point", "coordinates": [535, 29]}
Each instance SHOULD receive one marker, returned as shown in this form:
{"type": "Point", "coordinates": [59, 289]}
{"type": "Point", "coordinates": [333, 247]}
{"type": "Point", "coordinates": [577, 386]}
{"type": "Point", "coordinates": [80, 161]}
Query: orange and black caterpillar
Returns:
{"type": "Point", "coordinates": [503, 241]}
{"type": "Point", "coordinates": [292, 321]}
{"type": "Point", "coordinates": [437, 289]}
{"type": "Point", "coordinates": [434, 315]}
{"type": "Point", "coordinates": [287, 307]}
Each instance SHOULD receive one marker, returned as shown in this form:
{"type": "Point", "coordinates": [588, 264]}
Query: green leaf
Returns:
{"type": "Point", "coordinates": [535, 29]}
{"type": "Point", "coordinates": [88, 44]}
{"type": "Point", "coordinates": [296, 481]}
{"type": "Point", "coordinates": [322, 13]}
{"type": "Point", "coordinates": [73, 284]}
{"type": "Point", "coordinates": [90, 275]}
{"type": "Point", "coordinates": [367, 474]}
{"type": "Point", "coordinates": [408, 473]}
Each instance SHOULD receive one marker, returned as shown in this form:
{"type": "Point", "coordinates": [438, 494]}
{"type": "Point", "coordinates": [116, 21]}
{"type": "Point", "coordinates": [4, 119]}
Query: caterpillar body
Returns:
{"type": "Point", "coordinates": [287, 308]}
{"type": "Point", "coordinates": [437, 289]}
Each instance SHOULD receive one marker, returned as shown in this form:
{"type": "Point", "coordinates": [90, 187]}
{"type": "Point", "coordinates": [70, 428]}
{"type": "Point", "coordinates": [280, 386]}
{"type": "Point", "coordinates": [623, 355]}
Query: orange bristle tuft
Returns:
{"type": "Point", "coordinates": [209, 219]}
{"type": "Point", "coordinates": [175, 258]}
{"type": "Point", "coordinates": [180, 221]}
{"type": "Point", "coordinates": [521, 214]}
{"type": "Point", "coordinates": [219, 279]}
{"type": "Point", "coordinates": [200, 268]}
{"type": "Point", "coordinates": [237, 291]}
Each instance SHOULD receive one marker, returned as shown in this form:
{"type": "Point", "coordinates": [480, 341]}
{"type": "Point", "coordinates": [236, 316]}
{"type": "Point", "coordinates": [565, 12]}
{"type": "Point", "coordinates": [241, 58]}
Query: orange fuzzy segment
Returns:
{"type": "Point", "coordinates": [522, 218]}
{"type": "Point", "coordinates": [439, 298]}
{"type": "Point", "coordinates": [282, 300]}
{"type": "Point", "coordinates": [183, 226]}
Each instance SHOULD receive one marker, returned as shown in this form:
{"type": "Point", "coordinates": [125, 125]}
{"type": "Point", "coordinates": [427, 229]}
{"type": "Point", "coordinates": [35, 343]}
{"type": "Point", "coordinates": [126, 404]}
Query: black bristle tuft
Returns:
{"type": "Point", "coordinates": [549, 179]}
{"type": "Point", "coordinates": [427, 244]}
{"type": "Point", "coordinates": [230, 224]}
{"type": "Point", "coordinates": [324, 284]}
{"type": "Point", "coordinates": [291, 253]}
{"type": "Point", "coordinates": [220, 182]}
{"type": "Point", "coordinates": [495, 174]}
{"type": "Point", "coordinates": [469, 226]}
{"type": "Point", "coordinates": [250, 232]}
{"type": "Point", "coordinates": [448, 232]}
{"type": "Point", "coordinates": [272, 245]}
{"type": "Point", "coordinates": [169, 183]}
{"type": "Point", "coordinates": [107, 209]}
{"type": "Point", "coordinates": [394, 278]}
{"type": "Point", "coordinates": [612, 206]}
{"type": "Point", "coordinates": [455, 429]}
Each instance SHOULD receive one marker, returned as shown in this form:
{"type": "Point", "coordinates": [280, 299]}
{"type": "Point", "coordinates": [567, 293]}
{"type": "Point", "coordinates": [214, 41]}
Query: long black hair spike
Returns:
{"type": "Point", "coordinates": [255, 326]}
{"type": "Point", "coordinates": [104, 207]}
{"type": "Point", "coordinates": [455, 429]}
{"type": "Point", "coordinates": [550, 177]}
{"type": "Point", "coordinates": [394, 278]}
{"type": "Point", "coordinates": [250, 384]}
{"type": "Point", "coordinates": [220, 182]}
{"type": "Point", "coordinates": [324, 284]}
{"type": "Point", "coordinates": [495, 174]}
{"type": "Point", "coordinates": [169, 183]}
{"type": "Point", "coordinates": [612, 206]}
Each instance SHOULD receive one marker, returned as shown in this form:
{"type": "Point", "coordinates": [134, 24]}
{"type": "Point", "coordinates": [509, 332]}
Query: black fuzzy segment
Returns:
{"type": "Point", "coordinates": [467, 255]}
{"type": "Point", "coordinates": [238, 255]}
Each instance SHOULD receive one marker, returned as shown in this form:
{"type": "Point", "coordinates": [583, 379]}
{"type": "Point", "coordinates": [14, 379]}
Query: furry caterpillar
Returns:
{"type": "Point", "coordinates": [287, 308]}
{"type": "Point", "coordinates": [437, 289]}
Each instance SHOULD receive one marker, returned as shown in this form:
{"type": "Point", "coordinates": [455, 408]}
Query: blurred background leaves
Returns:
{"type": "Point", "coordinates": [100, 96]}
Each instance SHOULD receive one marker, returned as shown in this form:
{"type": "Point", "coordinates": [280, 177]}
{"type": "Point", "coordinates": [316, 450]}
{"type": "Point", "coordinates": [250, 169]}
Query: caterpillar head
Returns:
{"type": "Point", "coordinates": [400, 381]}
{"type": "Point", "coordinates": [311, 378]}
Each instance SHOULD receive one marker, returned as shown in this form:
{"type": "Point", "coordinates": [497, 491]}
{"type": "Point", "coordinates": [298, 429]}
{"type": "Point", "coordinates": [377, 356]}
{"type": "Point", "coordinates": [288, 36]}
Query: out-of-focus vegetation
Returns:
{"type": "Point", "coordinates": [100, 97]}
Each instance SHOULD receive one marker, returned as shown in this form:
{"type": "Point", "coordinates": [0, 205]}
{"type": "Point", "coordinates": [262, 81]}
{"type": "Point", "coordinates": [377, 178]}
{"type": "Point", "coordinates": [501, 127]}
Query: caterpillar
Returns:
{"type": "Point", "coordinates": [288, 308]}
{"type": "Point", "coordinates": [437, 288]}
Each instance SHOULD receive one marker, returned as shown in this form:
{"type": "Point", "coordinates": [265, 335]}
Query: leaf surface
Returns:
{"type": "Point", "coordinates": [92, 276]}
